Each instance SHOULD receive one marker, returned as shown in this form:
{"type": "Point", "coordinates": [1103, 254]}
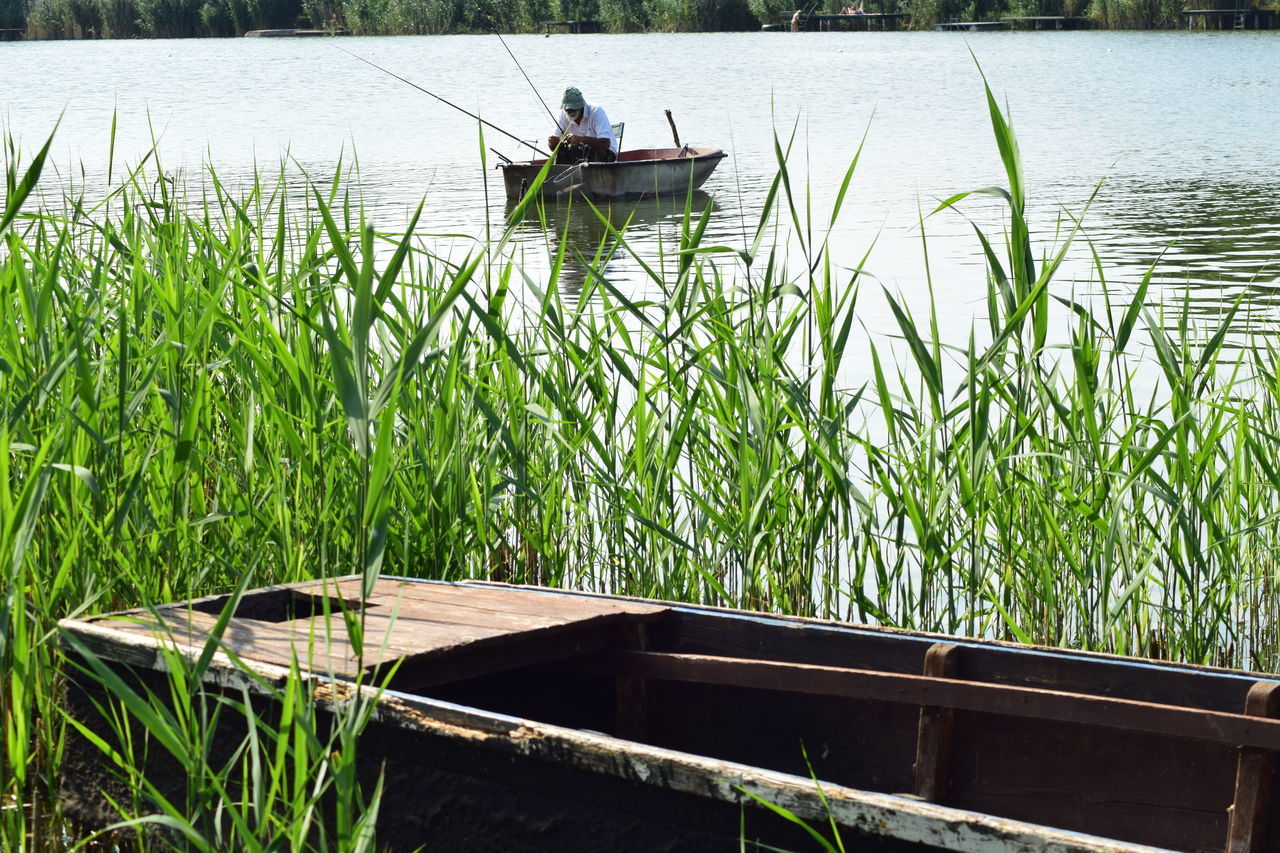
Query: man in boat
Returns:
{"type": "Point", "coordinates": [585, 133]}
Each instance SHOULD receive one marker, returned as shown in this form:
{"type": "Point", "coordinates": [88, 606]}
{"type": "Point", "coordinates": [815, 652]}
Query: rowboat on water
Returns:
{"type": "Point", "coordinates": [523, 719]}
{"type": "Point", "coordinates": [635, 174]}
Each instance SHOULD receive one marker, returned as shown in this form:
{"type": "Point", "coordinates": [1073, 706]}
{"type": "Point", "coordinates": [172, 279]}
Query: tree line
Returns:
{"type": "Point", "coordinates": [53, 19]}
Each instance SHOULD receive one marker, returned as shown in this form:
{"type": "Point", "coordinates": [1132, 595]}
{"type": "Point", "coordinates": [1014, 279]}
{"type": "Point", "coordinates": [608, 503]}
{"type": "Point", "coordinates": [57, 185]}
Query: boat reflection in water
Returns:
{"type": "Point", "coordinates": [590, 248]}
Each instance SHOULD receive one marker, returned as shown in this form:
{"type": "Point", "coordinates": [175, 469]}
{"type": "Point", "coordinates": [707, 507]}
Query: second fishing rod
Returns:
{"type": "Point", "coordinates": [449, 103]}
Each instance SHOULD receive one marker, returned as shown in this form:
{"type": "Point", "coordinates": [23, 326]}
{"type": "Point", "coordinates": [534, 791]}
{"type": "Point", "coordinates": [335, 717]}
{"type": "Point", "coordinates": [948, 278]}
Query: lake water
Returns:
{"type": "Point", "coordinates": [1180, 127]}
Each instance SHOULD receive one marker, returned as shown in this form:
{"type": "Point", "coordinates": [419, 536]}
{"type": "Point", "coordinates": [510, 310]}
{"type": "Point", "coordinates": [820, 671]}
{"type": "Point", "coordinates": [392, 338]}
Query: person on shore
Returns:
{"type": "Point", "coordinates": [585, 136]}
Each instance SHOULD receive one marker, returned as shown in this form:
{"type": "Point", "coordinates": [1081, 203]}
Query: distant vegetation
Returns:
{"type": "Point", "coordinates": [53, 19]}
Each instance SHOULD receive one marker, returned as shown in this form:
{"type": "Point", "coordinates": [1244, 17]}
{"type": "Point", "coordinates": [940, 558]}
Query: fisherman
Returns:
{"type": "Point", "coordinates": [585, 132]}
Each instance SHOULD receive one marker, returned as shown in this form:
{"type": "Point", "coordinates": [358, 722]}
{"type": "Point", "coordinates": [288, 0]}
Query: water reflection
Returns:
{"type": "Point", "coordinates": [586, 232]}
{"type": "Point", "coordinates": [1212, 241]}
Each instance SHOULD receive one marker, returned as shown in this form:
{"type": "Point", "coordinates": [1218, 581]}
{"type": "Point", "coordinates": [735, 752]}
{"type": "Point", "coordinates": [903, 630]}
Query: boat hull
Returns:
{"type": "Point", "coordinates": [636, 174]}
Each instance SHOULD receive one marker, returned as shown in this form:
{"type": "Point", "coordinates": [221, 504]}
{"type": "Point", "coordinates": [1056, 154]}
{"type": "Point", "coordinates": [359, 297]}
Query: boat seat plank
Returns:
{"type": "Point", "coordinates": [1212, 726]}
{"type": "Point", "coordinates": [693, 631]}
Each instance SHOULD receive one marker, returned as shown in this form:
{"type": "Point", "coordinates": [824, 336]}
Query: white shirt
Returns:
{"type": "Point", "coordinates": [594, 123]}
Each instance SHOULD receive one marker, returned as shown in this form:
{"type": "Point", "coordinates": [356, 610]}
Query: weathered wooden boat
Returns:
{"type": "Point", "coordinates": [529, 719]}
{"type": "Point", "coordinates": [635, 174]}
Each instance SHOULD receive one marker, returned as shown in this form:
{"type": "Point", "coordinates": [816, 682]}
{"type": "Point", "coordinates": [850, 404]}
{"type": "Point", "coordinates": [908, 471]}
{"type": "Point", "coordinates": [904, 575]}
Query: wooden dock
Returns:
{"type": "Point", "coordinates": [860, 22]}
{"type": "Point", "coordinates": [573, 27]}
{"type": "Point", "coordinates": [1047, 22]}
{"type": "Point", "coordinates": [972, 26]}
{"type": "Point", "coordinates": [521, 719]}
{"type": "Point", "coordinates": [1229, 19]}
{"type": "Point", "coordinates": [863, 21]}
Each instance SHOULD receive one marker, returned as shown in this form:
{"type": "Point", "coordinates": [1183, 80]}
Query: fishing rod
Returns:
{"type": "Point", "coordinates": [443, 100]}
{"type": "Point", "coordinates": [554, 120]}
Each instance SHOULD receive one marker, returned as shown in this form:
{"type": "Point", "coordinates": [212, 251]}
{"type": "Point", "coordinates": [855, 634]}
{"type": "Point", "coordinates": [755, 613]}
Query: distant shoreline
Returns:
{"type": "Point", "coordinates": [969, 26]}
{"type": "Point", "coordinates": [46, 20]}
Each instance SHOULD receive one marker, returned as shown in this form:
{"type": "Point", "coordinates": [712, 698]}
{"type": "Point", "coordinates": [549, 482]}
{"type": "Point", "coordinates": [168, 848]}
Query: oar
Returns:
{"type": "Point", "coordinates": [443, 101]}
{"type": "Point", "coordinates": [674, 134]}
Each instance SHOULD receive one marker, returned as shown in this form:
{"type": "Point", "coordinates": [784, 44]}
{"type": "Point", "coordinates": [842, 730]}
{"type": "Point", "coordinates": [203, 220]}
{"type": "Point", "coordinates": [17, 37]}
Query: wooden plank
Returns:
{"type": "Point", "coordinates": [274, 643]}
{"type": "Point", "coordinates": [706, 631]}
{"type": "Point", "coordinates": [427, 631]}
{"type": "Point", "coordinates": [725, 634]}
{"type": "Point", "coordinates": [520, 600]}
{"type": "Point", "coordinates": [1255, 772]}
{"type": "Point", "coordinates": [345, 600]}
{"type": "Point", "coordinates": [210, 603]}
{"type": "Point", "coordinates": [536, 603]}
{"type": "Point", "coordinates": [487, 637]}
{"type": "Point", "coordinates": [424, 653]}
{"type": "Point", "coordinates": [419, 622]}
{"type": "Point", "coordinates": [408, 607]}
{"type": "Point", "coordinates": [1172, 721]}
{"type": "Point", "coordinates": [932, 769]}
{"type": "Point", "coordinates": [278, 642]}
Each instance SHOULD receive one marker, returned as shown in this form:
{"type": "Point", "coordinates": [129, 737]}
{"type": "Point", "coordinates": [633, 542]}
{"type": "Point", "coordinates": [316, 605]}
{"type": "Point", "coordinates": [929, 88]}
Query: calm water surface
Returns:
{"type": "Point", "coordinates": [1180, 127]}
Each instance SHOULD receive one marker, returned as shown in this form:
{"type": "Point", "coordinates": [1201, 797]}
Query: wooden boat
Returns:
{"type": "Point", "coordinates": [531, 719]}
{"type": "Point", "coordinates": [635, 174]}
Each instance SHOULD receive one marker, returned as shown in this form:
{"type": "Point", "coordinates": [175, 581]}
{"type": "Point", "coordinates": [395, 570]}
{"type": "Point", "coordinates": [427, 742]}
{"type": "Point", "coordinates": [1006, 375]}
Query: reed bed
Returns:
{"type": "Point", "coordinates": [209, 388]}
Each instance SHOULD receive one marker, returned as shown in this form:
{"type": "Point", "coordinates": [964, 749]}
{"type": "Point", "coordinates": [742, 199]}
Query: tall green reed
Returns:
{"type": "Point", "coordinates": [268, 763]}
{"type": "Point", "coordinates": [207, 387]}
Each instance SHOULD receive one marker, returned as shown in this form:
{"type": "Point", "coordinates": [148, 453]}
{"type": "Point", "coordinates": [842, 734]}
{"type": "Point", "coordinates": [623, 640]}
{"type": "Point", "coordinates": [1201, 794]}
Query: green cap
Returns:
{"type": "Point", "coordinates": [573, 99]}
